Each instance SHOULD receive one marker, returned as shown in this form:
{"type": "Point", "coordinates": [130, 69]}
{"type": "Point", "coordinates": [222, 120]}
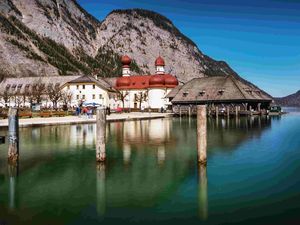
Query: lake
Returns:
{"type": "Point", "coordinates": [151, 175]}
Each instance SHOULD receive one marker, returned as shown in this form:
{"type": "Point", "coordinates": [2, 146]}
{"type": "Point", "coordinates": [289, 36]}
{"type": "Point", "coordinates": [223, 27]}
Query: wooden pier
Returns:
{"type": "Point", "coordinates": [219, 110]}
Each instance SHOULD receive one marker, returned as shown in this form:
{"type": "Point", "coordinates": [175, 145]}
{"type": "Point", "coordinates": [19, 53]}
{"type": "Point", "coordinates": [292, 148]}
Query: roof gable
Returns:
{"type": "Point", "coordinates": [89, 79]}
{"type": "Point", "coordinates": [218, 89]}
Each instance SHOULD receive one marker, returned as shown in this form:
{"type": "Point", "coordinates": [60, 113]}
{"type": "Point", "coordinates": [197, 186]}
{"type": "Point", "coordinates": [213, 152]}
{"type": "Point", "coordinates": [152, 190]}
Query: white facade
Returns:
{"type": "Point", "coordinates": [87, 92]}
{"type": "Point", "coordinates": [155, 98]}
{"type": "Point", "coordinates": [125, 71]}
{"type": "Point", "coordinates": [160, 69]}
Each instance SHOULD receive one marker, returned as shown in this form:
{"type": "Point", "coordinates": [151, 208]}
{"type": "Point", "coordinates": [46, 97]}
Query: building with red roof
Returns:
{"type": "Point", "coordinates": [145, 91]}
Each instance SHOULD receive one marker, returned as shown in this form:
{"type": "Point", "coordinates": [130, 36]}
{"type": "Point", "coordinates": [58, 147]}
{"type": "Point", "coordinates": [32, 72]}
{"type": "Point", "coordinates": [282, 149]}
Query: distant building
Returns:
{"type": "Point", "coordinates": [24, 91]}
{"type": "Point", "coordinates": [91, 90]}
{"type": "Point", "coordinates": [221, 92]}
{"type": "Point", "coordinates": [74, 90]}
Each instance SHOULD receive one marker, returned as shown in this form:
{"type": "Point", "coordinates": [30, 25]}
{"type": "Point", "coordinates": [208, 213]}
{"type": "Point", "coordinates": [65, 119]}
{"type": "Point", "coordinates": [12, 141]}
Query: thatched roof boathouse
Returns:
{"type": "Point", "coordinates": [221, 94]}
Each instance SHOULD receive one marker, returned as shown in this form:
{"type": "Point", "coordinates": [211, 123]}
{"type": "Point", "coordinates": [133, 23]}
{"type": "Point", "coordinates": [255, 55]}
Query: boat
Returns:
{"type": "Point", "coordinates": [275, 110]}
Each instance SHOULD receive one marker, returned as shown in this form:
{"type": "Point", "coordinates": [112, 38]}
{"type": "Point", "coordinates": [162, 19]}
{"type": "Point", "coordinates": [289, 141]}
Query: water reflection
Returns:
{"type": "Point", "coordinates": [202, 192]}
{"type": "Point", "coordinates": [148, 162]}
{"type": "Point", "coordinates": [161, 155]}
{"type": "Point", "coordinates": [13, 170]}
{"type": "Point", "coordinates": [38, 144]}
{"type": "Point", "coordinates": [126, 153]}
{"type": "Point", "coordinates": [100, 189]}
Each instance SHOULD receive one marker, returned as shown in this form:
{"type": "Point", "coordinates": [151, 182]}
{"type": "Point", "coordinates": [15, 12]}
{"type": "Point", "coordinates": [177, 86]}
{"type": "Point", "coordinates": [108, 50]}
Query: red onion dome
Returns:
{"type": "Point", "coordinates": [157, 80]}
{"type": "Point", "coordinates": [125, 60]}
{"type": "Point", "coordinates": [159, 61]}
{"type": "Point", "coordinates": [171, 80]}
{"type": "Point", "coordinates": [123, 81]}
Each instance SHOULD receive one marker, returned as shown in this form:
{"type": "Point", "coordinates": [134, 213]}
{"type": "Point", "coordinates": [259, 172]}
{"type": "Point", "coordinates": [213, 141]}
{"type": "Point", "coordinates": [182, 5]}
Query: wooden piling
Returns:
{"type": "Point", "coordinates": [13, 135]}
{"type": "Point", "coordinates": [101, 135]}
{"type": "Point", "coordinates": [236, 111]}
{"type": "Point", "coordinates": [201, 133]}
{"type": "Point", "coordinates": [180, 111]}
{"type": "Point", "coordinates": [190, 111]}
{"type": "Point", "coordinates": [228, 111]}
{"type": "Point", "coordinates": [258, 108]}
{"type": "Point", "coordinates": [217, 112]}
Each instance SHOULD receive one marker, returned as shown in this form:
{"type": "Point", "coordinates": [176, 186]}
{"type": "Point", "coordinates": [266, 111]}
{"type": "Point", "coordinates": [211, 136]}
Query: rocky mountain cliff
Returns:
{"type": "Point", "coordinates": [292, 100]}
{"type": "Point", "coordinates": [50, 37]}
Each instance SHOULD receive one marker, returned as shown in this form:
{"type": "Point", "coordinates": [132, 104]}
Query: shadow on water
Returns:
{"type": "Point", "coordinates": [148, 162]}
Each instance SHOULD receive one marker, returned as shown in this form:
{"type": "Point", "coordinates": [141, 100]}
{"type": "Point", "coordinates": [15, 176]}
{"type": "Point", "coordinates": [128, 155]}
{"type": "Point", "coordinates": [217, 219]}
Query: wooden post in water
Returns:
{"type": "Point", "coordinates": [236, 111]}
{"type": "Point", "coordinates": [250, 109]}
{"type": "Point", "coordinates": [228, 111]}
{"type": "Point", "coordinates": [217, 112]}
{"type": "Point", "coordinates": [201, 133]}
{"type": "Point", "coordinates": [13, 135]}
{"type": "Point", "coordinates": [190, 110]}
{"type": "Point", "coordinates": [101, 135]}
{"type": "Point", "coordinates": [258, 108]}
{"type": "Point", "coordinates": [180, 111]}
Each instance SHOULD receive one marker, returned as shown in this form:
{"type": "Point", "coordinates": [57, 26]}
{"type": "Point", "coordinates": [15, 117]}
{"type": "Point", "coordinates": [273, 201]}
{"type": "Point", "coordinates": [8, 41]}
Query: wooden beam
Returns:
{"type": "Point", "coordinates": [13, 135]}
{"type": "Point", "coordinates": [202, 134]}
{"type": "Point", "coordinates": [101, 135]}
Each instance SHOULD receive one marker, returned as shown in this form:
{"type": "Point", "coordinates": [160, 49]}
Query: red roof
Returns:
{"type": "Point", "coordinates": [147, 81]}
{"type": "Point", "coordinates": [159, 61]}
{"type": "Point", "coordinates": [125, 60]}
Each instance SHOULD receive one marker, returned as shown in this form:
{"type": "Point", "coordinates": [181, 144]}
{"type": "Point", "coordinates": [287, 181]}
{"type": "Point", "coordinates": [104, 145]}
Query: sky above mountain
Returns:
{"type": "Point", "coordinates": [259, 39]}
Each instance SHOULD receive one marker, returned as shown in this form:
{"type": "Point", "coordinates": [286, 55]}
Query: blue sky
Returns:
{"type": "Point", "coordinates": [259, 39]}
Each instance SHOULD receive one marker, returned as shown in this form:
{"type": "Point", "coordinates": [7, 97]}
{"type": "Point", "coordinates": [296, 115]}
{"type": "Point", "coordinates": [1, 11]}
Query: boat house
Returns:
{"type": "Point", "coordinates": [223, 95]}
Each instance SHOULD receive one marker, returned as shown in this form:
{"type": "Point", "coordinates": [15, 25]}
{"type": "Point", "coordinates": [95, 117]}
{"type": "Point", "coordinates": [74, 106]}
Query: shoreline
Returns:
{"type": "Point", "coordinates": [71, 120]}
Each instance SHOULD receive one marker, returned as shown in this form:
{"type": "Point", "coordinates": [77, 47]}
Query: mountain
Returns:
{"type": "Point", "coordinates": [290, 100]}
{"type": "Point", "coordinates": [51, 37]}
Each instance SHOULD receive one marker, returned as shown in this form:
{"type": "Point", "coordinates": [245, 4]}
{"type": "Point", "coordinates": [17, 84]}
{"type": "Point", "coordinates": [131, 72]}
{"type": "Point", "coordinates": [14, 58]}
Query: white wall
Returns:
{"type": "Point", "coordinates": [157, 98]}
{"type": "Point", "coordinates": [87, 92]}
{"type": "Point", "coordinates": [130, 99]}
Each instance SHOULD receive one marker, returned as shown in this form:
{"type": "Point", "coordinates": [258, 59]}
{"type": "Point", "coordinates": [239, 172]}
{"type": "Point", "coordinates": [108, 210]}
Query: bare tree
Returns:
{"type": "Point", "coordinates": [5, 97]}
{"type": "Point", "coordinates": [18, 100]}
{"type": "Point", "coordinates": [37, 91]}
{"type": "Point", "coordinates": [122, 96]}
{"type": "Point", "coordinates": [141, 97]}
{"type": "Point", "coordinates": [66, 97]}
{"type": "Point", "coordinates": [54, 94]}
{"type": "Point", "coordinates": [25, 95]}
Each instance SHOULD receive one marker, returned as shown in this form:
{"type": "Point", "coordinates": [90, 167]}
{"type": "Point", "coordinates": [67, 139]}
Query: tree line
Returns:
{"type": "Point", "coordinates": [35, 93]}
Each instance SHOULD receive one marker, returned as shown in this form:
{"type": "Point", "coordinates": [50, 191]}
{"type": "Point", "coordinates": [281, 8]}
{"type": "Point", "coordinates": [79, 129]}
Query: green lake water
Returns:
{"type": "Point", "coordinates": [151, 175]}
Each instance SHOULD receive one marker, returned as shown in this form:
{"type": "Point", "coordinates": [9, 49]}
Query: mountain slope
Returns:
{"type": "Point", "coordinates": [51, 37]}
{"type": "Point", "coordinates": [290, 100]}
{"type": "Point", "coordinates": [144, 35]}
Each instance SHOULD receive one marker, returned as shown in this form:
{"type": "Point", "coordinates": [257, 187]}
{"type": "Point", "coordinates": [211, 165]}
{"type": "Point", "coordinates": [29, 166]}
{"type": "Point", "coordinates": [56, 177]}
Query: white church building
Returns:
{"type": "Point", "coordinates": [145, 91]}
